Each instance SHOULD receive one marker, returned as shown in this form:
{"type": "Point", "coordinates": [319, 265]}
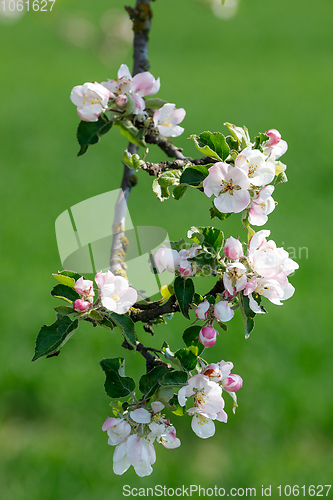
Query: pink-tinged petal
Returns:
{"type": "Point", "coordinates": [213, 371]}
{"type": "Point", "coordinates": [142, 83]}
{"type": "Point", "coordinates": [226, 367]}
{"type": "Point", "coordinates": [90, 113]}
{"type": "Point", "coordinates": [227, 282]}
{"type": "Point", "coordinates": [109, 422]}
{"type": "Point", "coordinates": [126, 299]}
{"type": "Point", "coordinates": [202, 426]}
{"type": "Point", "coordinates": [201, 311]}
{"type": "Point", "coordinates": [233, 248]}
{"type": "Point", "coordinates": [221, 416]}
{"type": "Point", "coordinates": [113, 87]}
{"type": "Point", "coordinates": [207, 336]}
{"type": "Point", "coordinates": [167, 259]}
{"type": "Point", "coordinates": [156, 117]}
{"type": "Point", "coordinates": [178, 116]}
{"type": "Point", "coordinates": [139, 104]}
{"type": "Point", "coordinates": [169, 439]}
{"type": "Point", "coordinates": [123, 71]}
{"type": "Point", "coordinates": [157, 406]}
{"type": "Point", "coordinates": [258, 239]}
{"type": "Point", "coordinates": [257, 216]}
{"type": "Point", "coordinates": [222, 311]}
{"type": "Point", "coordinates": [140, 415]}
{"type": "Point", "coordinates": [155, 87]}
{"type": "Point", "coordinates": [212, 183]}
{"type": "Point", "coordinates": [238, 176]}
{"type": "Point", "coordinates": [264, 194]}
{"type": "Point", "coordinates": [121, 466]}
{"type": "Point", "coordinates": [274, 137]}
{"type": "Point", "coordinates": [251, 286]}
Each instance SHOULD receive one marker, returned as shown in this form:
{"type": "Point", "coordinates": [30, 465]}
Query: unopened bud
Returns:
{"type": "Point", "coordinates": [232, 383]}
{"type": "Point", "coordinates": [207, 336]}
{"type": "Point", "coordinates": [201, 311]}
{"type": "Point", "coordinates": [274, 137]}
{"type": "Point", "coordinates": [81, 305]}
{"type": "Point", "coordinates": [122, 101]}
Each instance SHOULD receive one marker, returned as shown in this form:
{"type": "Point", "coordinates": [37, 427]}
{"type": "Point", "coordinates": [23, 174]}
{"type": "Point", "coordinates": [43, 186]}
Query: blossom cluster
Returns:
{"type": "Point", "coordinates": [134, 433]}
{"type": "Point", "coordinates": [167, 259]}
{"type": "Point", "coordinates": [114, 293]}
{"type": "Point", "coordinates": [246, 184]}
{"type": "Point", "coordinates": [206, 390]}
{"type": "Point", "coordinates": [125, 95]}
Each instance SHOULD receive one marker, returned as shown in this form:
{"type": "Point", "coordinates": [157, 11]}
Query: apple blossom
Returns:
{"type": "Point", "coordinates": [262, 205]}
{"type": "Point", "coordinates": [233, 248]}
{"type": "Point", "coordinates": [259, 168]}
{"type": "Point", "coordinates": [187, 267]}
{"type": "Point", "coordinates": [81, 305]}
{"type": "Point", "coordinates": [116, 294]}
{"type": "Point", "coordinates": [137, 451]}
{"type": "Point", "coordinates": [117, 429]}
{"type": "Point", "coordinates": [138, 86]}
{"type": "Point", "coordinates": [91, 100]}
{"type": "Point", "coordinates": [213, 371]}
{"type": "Point", "coordinates": [234, 277]}
{"type": "Point", "coordinates": [274, 137]}
{"type": "Point", "coordinates": [275, 146]}
{"type": "Point", "coordinates": [232, 383]}
{"type": "Point", "coordinates": [207, 336]}
{"type": "Point", "coordinates": [167, 259]}
{"type": "Point", "coordinates": [164, 433]}
{"type": "Point", "coordinates": [140, 416]}
{"type": "Point", "coordinates": [85, 288]}
{"type": "Point", "coordinates": [166, 120]}
{"type": "Point", "coordinates": [208, 404]}
{"type": "Point", "coordinates": [230, 186]}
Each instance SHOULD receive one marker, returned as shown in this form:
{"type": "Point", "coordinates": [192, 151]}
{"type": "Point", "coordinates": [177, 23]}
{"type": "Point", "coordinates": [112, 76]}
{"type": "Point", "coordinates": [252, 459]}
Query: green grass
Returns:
{"type": "Point", "coordinates": [268, 67]}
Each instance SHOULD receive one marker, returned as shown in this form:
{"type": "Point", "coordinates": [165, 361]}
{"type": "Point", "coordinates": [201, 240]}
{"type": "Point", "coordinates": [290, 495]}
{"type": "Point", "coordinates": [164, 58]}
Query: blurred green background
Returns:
{"type": "Point", "coordinates": [269, 66]}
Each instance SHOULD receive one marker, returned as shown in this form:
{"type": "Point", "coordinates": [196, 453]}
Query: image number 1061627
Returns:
{"type": "Point", "coordinates": [27, 5]}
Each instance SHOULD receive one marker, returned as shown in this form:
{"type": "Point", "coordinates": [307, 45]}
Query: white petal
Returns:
{"type": "Point", "coordinates": [141, 416]}
{"type": "Point", "coordinates": [203, 427]}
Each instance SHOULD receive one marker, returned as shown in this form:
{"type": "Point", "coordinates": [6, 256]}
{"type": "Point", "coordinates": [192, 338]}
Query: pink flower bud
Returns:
{"type": "Point", "coordinates": [213, 371]}
{"type": "Point", "coordinates": [207, 336]}
{"type": "Point", "coordinates": [122, 100]}
{"type": "Point", "coordinates": [81, 305]}
{"type": "Point", "coordinates": [232, 383]}
{"type": "Point", "coordinates": [274, 137]}
{"type": "Point", "coordinates": [201, 311]}
{"type": "Point", "coordinates": [233, 248]}
{"type": "Point", "coordinates": [85, 288]}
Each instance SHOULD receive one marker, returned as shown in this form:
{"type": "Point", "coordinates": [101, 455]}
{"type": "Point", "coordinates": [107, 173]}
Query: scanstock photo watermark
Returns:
{"type": "Point", "coordinates": [196, 490]}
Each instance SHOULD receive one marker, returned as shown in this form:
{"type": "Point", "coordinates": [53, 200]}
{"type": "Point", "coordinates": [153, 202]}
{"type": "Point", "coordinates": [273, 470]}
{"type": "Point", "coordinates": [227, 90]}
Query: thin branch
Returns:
{"type": "Point", "coordinates": [166, 145]}
{"type": "Point", "coordinates": [155, 169]}
{"type": "Point", "coordinates": [151, 360]}
{"type": "Point", "coordinates": [141, 16]}
{"type": "Point", "coordinates": [150, 314]}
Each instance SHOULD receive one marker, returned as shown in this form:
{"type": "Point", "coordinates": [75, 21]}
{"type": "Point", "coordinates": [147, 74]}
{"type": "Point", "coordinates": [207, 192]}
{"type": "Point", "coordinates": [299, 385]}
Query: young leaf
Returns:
{"type": "Point", "coordinates": [212, 144]}
{"type": "Point", "coordinates": [190, 337]}
{"type": "Point", "coordinates": [155, 103]}
{"type": "Point", "coordinates": [89, 133]}
{"type": "Point", "coordinates": [194, 175]}
{"type": "Point", "coordinates": [64, 310]}
{"type": "Point", "coordinates": [128, 130]}
{"type": "Point", "coordinates": [188, 357]}
{"type": "Point", "coordinates": [148, 383]}
{"type": "Point", "coordinates": [179, 192]}
{"type": "Point", "coordinates": [116, 384]}
{"type": "Point", "coordinates": [169, 178]}
{"type": "Point", "coordinates": [65, 280]}
{"type": "Point", "coordinates": [247, 313]}
{"type": "Point", "coordinates": [51, 338]}
{"type": "Point", "coordinates": [126, 326]}
{"type": "Point", "coordinates": [184, 290]}
{"type": "Point", "coordinates": [210, 238]}
{"type": "Point", "coordinates": [161, 192]}
{"type": "Point", "coordinates": [66, 293]}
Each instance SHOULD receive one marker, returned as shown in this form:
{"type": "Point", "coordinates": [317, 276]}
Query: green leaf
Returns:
{"type": "Point", "coordinates": [130, 106]}
{"type": "Point", "coordinates": [161, 192]}
{"type": "Point", "coordinates": [184, 290]}
{"type": "Point", "coordinates": [126, 326]}
{"type": "Point", "coordinates": [65, 292]}
{"type": "Point", "coordinates": [232, 143]}
{"type": "Point", "coordinates": [107, 323]}
{"type": "Point", "coordinates": [71, 274]}
{"type": "Point", "coordinates": [89, 133]}
{"type": "Point", "coordinates": [280, 179]}
{"type": "Point", "coordinates": [164, 394]}
{"type": "Point", "coordinates": [116, 384]}
{"type": "Point", "coordinates": [51, 338]}
{"type": "Point", "coordinates": [194, 175]}
{"type": "Point", "coordinates": [148, 383]}
{"type": "Point", "coordinates": [259, 140]}
{"type": "Point", "coordinates": [179, 192]}
{"type": "Point", "coordinates": [207, 263]}
{"type": "Point", "coordinates": [209, 237]}
{"type": "Point", "coordinates": [64, 310]}
{"type": "Point", "coordinates": [128, 130]}
{"type": "Point", "coordinates": [169, 178]}
{"type": "Point", "coordinates": [176, 378]}
{"type": "Point", "coordinates": [155, 103]}
{"type": "Point", "coordinates": [247, 313]}
{"type": "Point", "coordinates": [212, 144]}
{"type": "Point", "coordinates": [191, 334]}
{"type": "Point", "coordinates": [178, 245]}
{"type": "Point", "coordinates": [214, 212]}
{"type": "Point", "coordinates": [65, 280]}
{"type": "Point", "coordinates": [95, 315]}
{"type": "Point", "coordinates": [188, 357]}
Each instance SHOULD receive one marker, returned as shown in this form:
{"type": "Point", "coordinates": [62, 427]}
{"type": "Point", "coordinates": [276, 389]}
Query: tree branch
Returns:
{"type": "Point", "coordinates": [155, 169]}
{"type": "Point", "coordinates": [141, 16]}
{"type": "Point", "coordinates": [151, 360]}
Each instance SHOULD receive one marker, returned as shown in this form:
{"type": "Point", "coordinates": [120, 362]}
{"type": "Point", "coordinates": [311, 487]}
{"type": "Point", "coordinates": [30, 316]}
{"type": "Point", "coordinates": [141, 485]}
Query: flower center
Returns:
{"type": "Point", "coordinates": [227, 187]}
{"type": "Point", "coordinates": [252, 169]}
{"type": "Point", "coordinates": [91, 99]}
{"type": "Point", "coordinates": [167, 122]}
